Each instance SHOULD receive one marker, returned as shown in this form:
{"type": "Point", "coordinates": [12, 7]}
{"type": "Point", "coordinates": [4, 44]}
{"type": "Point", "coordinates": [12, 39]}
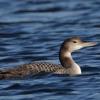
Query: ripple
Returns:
{"type": "Point", "coordinates": [33, 30]}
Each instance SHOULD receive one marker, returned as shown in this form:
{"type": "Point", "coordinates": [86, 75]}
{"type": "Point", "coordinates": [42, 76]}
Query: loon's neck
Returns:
{"type": "Point", "coordinates": [68, 62]}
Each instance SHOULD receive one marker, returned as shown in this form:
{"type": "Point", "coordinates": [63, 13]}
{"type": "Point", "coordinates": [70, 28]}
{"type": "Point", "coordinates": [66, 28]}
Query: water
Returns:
{"type": "Point", "coordinates": [32, 30]}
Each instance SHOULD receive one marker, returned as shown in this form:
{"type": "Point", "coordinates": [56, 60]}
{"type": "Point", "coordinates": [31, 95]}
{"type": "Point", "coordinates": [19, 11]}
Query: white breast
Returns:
{"type": "Point", "coordinates": [74, 70]}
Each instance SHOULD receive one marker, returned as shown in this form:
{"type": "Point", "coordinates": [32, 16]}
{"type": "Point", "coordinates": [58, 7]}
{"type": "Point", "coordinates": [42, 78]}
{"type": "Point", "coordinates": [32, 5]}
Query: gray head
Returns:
{"type": "Point", "coordinates": [75, 43]}
{"type": "Point", "coordinates": [69, 46]}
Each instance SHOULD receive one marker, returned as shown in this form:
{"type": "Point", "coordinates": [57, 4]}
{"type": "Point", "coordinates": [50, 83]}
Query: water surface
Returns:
{"type": "Point", "coordinates": [32, 30]}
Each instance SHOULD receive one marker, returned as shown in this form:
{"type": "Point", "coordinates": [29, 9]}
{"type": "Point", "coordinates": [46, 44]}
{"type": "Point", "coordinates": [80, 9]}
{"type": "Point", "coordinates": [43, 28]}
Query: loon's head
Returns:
{"type": "Point", "coordinates": [69, 46]}
{"type": "Point", "coordinates": [75, 43]}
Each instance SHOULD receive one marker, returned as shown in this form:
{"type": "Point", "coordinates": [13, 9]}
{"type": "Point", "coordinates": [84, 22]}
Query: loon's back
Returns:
{"type": "Point", "coordinates": [30, 69]}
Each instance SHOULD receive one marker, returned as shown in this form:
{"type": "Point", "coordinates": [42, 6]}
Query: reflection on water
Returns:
{"type": "Point", "coordinates": [33, 30]}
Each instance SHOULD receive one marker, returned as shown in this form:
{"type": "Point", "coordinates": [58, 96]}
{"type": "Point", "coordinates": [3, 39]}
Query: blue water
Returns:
{"type": "Point", "coordinates": [32, 30]}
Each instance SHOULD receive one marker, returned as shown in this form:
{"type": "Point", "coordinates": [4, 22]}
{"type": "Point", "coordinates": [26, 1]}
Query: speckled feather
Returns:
{"type": "Point", "coordinates": [32, 69]}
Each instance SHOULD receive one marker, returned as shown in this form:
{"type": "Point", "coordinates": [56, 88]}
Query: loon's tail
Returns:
{"type": "Point", "coordinates": [13, 73]}
{"type": "Point", "coordinates": [3, 74]}
{"type": "Point", "coordinates": [6, 74]}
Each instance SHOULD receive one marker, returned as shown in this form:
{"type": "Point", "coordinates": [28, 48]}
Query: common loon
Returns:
{"type": "Point", "coordinates": [67, 66]}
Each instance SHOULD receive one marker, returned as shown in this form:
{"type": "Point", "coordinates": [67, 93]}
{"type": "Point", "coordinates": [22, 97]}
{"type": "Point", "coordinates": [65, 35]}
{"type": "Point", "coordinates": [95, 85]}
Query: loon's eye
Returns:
{"type": "Point", "coordinates": [74, 41]}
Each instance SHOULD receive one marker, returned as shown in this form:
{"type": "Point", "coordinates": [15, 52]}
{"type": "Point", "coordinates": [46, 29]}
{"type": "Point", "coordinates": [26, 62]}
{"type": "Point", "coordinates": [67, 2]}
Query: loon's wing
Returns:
{"type": "Point", "coordinates": [28, 69]}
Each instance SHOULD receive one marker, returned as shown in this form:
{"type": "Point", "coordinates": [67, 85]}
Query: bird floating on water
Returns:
{"type": "Point", "coordinates": [67, 66]}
